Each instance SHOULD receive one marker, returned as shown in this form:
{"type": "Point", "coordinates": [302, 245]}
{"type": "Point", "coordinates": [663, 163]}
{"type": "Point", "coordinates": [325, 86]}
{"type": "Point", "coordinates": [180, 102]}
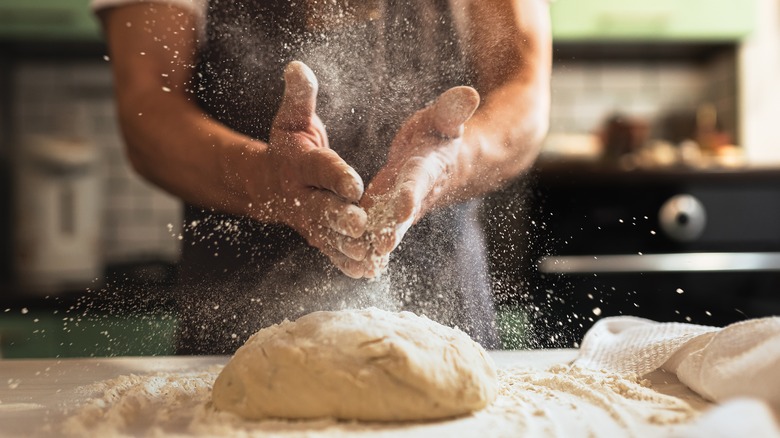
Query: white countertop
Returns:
{"type": "Point", "coordinates": [42, 393]}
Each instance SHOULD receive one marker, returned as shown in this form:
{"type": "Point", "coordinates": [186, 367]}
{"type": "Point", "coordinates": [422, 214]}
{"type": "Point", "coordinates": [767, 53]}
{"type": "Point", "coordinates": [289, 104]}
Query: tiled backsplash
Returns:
{"type": "Point", "coordinates": [586, 92]}
{"type": "Point", "coordinates": [76, 99]}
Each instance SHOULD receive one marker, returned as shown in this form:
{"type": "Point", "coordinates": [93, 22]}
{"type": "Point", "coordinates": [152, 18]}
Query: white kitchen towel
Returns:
{"type": "Point", "coordinates": [740, 360]}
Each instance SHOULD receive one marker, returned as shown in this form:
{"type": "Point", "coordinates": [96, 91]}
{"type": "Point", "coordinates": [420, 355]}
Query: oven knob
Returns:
{"type": "Point", "coordinates": [682, 217]}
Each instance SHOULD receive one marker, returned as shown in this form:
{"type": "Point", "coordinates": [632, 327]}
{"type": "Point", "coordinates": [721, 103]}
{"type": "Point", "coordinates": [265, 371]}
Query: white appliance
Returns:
{"type": "Point", "coordinates": [57, 219]}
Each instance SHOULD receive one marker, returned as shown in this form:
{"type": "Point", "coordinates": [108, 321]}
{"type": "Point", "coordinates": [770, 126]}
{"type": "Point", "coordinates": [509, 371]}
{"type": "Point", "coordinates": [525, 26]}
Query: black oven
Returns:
{"type": "Point", "coordinates": [670, 245]}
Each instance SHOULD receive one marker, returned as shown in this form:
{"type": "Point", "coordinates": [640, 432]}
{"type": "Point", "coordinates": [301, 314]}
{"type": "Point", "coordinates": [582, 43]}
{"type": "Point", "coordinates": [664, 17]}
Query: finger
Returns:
{"type": "Point", "coordinates": [416, 180]}
{"type": "Point", "coordinates": [336, 223]}
{"type": "Point", "coordinates": [339, 215]}
{"type": "Point", "coordinates": [349, 267]}
{"type": "Point", "coordinates": [299, 101]}
{"type": "Point", "coordinates": [354, 249]}
{"type": "Point", "coordinates": [338, 248]}
{"type": "Point", "coordinates": [414, 183]}
{"type": "Point", "coordinates": [390, 236]}
{"type": "Point", "coordinates": [379, 188]}
{"type": "Point", "coordinates": [346, 219]}
{"type": "Point", "coordinates": [391, 217]}
{"type": "Point", "coordinates": [451, 110]}
{"type": "Point", "coordinates": [325, 169]}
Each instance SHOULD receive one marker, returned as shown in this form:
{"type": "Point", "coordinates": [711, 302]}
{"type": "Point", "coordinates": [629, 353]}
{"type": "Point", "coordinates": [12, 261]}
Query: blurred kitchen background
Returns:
{"type": "Point", "coordinates": [663, 143]}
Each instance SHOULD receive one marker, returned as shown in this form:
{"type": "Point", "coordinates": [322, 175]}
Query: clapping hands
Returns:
{"type": "Point", "coordinates": [322, 198]}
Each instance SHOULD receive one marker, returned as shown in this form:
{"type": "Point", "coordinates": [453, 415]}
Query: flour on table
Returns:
{"type": "Point", "coordinates": [561, 401]}
{"type": "Point", "coordinates": [142, 405]}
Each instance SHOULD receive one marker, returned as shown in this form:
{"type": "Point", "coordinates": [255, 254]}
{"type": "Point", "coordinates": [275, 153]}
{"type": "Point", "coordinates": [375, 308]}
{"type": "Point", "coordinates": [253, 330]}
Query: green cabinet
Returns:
{"type": "Point", "coordinates": [44, 20]}
{"type": "Point", "coordinates": [40, 334]}
{"type": "Point", "coordinates": [656, 20]}
{"type": "Point", "coordinates": [572, 20]}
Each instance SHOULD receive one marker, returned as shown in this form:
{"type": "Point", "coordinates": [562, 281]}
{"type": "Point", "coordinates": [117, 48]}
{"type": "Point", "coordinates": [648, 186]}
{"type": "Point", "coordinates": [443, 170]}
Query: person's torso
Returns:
{"type": "Point", "coordinates": [376, 63]}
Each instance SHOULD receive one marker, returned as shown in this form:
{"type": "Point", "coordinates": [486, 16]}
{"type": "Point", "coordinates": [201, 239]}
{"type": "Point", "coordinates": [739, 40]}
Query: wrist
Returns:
{"type": "Point", "coordinates": [244, 168]}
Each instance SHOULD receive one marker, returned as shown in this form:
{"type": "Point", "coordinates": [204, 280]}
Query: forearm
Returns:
{"type": "Point", "coordinates": [510, 45]}
{"type": "Point", "coordinates": [502, 139]}
{"type": "Point", "coordinates": [169, 140]}
{"type": "Point", "coordinates": [173, 144]}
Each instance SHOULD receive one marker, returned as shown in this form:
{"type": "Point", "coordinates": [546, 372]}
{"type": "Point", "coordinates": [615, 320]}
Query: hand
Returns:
{"type": "Point", "coordinates": [421, 161]}
{"type": "Point", "coordinates": [305, 184]}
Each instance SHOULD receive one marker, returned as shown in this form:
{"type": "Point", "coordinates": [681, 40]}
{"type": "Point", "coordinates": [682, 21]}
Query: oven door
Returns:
{"type": "Point", "coordinates": [699, 247]}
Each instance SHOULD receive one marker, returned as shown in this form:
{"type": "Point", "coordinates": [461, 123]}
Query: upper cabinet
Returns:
{"type": "Point", "coordinates": [47, 20]}
{"type": "Point", "coordinates": [573, 20]}
{"type": "Point", "coordinates": [651, 20]}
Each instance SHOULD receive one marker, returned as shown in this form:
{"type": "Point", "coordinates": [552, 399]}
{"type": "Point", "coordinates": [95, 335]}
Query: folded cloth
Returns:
{"type": "Point", "coordinates": [740, 360]}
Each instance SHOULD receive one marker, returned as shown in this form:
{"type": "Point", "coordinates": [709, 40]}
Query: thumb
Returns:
{"type": "Point", "coordinates": [451, 110]}
{"type": "Point", "coordinates": [300, 97]}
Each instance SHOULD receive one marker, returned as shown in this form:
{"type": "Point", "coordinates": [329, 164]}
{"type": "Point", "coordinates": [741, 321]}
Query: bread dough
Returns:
{"type": "Point", "coordinates": [369, 365]}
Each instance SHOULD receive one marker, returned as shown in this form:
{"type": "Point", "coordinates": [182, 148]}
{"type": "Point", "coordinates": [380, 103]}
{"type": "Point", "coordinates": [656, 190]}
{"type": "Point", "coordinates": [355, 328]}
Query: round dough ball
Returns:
{"type": "Point", "coordinates": [369, 365]}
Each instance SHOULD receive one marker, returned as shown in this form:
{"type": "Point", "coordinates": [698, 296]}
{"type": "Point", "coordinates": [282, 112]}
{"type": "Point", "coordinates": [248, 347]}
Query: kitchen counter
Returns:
{"type": "Point", "coordinates": [37, 391]}
{"type": "Point", "coordinates": [36, 396]}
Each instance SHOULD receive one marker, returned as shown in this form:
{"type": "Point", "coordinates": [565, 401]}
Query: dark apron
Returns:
{"type": "Point", "coordinates": [374, 71]}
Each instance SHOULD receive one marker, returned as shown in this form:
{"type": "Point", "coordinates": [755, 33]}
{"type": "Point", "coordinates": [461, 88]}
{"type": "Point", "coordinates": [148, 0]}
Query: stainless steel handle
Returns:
{"type": "Point", "coordinates": [682, 262]}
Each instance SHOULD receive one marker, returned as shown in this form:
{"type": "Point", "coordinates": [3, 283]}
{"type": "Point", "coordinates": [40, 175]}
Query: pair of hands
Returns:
{"type": "Point", "coordinates": [309, 187]}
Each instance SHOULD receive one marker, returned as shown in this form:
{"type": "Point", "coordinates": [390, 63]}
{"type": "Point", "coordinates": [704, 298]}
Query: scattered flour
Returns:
{"type": "Point", "coordinates": [380, 225]}
{"type": "Point", "coordinates": [562, 401]}
{"type": "Point", "coordinates": [142, 405]}
{"type": "Point", "coordinates": [383, 226]}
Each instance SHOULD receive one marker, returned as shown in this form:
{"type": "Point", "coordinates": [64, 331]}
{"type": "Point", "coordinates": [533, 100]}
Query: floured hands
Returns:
{"type": "Point", "coordinates": [305, 184]}
{"type": "Point", "coordinates": [310, 188]}
{"type": "Point", "coordinates": [421, 160]}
